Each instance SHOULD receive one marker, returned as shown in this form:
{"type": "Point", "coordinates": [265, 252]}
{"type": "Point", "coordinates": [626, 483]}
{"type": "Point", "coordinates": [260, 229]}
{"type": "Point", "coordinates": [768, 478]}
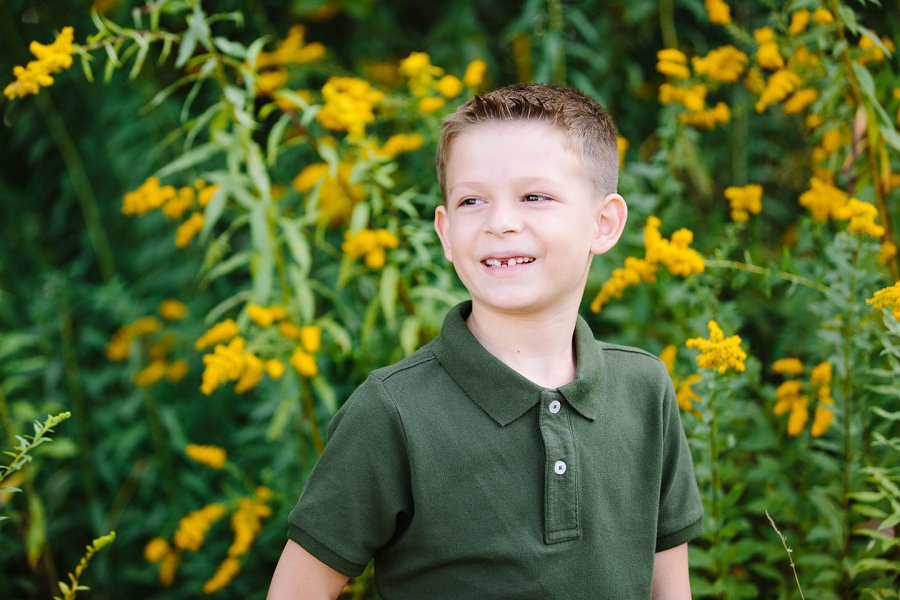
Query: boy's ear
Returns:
{"type": "Point", "coordinates": [441, 223]}
{"type": "Point", "coordinates": [611, 217]}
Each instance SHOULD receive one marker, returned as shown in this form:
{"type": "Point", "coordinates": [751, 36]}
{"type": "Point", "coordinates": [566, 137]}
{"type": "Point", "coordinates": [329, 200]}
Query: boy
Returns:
{"type": "Point", "coordinates": [514, 456]}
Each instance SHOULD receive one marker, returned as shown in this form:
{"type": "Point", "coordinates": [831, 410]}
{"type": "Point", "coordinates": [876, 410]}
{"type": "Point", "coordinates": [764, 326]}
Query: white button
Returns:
{"type": "Point", "coordinates": [559, 467]}
{"type": "Point", "coordinates": [555, 406]}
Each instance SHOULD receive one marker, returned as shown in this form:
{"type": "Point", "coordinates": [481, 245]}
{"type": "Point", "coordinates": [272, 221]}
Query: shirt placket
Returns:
{"type": "Point", "coordinates": [560, 469]}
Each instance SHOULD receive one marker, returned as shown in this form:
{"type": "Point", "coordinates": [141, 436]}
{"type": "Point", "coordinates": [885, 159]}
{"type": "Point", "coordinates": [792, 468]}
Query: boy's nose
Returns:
{"type": "Point", "coordinates": [503, 217]}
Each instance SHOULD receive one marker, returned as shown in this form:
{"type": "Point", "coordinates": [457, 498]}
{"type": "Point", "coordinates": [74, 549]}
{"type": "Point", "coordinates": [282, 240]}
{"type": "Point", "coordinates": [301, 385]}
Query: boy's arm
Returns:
{"type": "Point", "coordinates": [670, 574]}
{"type": "Point", "coordinates": [300, 575]}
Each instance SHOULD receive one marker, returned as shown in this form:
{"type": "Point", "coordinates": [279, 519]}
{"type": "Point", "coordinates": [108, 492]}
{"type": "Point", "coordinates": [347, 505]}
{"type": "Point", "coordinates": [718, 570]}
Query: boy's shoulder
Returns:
{"type": "Point", "coordinates": [409, 366]}
{"type": "Point", "coordinates": [632, 364]}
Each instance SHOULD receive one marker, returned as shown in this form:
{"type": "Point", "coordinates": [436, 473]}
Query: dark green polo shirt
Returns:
{"type": "Point", "coordinates": [464, 479]}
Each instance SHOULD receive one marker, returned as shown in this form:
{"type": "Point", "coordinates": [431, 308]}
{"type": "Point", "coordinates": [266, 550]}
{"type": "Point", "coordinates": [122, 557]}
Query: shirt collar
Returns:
{"type": "Point", "coordinates": [502, 392]}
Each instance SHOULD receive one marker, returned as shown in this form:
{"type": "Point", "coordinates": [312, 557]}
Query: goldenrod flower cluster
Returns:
{"type": "Point", "coordinates": [768, 56]}
{"type": "Point", "coordinates": [800, 101]}
{"type": "Point", "coordinates": [192, 527]}
{"type": "Point", "coordinates": [371, 244]}
{"type": "Point", "coordinates": [718, 11]}
{"type": "Point", "coordinates": [799, 21]}
{"type": "Point", "coordinates": [744, 201]}
{"type": "Point", "coordinates": [431, 86]}
{"type": "Point", "coordinates": [158, 550]}
{"type": "Point", "coordinates": [684, 394]}
{"type": "Point", "coordinates": [337, 195]}
{"type": "Point", "coordinates": [172, 310]}
{"type": "Point", "coordinates": [872, 52]}
{"type": "Point", "coordinates": [395, 145]}
{"type": "Point", "coordinates": [673, 254]}
{"type": "Point", "coordinates": [779, 86]}
{"type": "Point", "coordinates": [720, 65]}
{"type": "Point", "coordinates": [887, 298]}
{"type": "Point", "coordinates": [725, 64]}
{"type": "Point", "coordinates": [823, 200]}
{"type": "Point", "coordinates": [790, 397]}
{"type": "Point", "coordinates": [474, 74]}
{"type": "Point", "coordinates": [823, 16]}
{"type": "Point", "coordinates": [292, 50]}
{"type": "Point", "coordinates": [213, 457]}
{"type": "Point", "coordinates": [246, 522]}
{"type": "Point", "coordinates": [218, 333]}
{"type": "Point", "coordinates": [173, 202]}
{"type": "Point", "coordinates": [265, 315]}
{"type": "Point", "coordinates": [862, 217]}
{"type": "Point", "coordinates": [887, 252]}
{"type": "Point", "coordinates": [718, 352]}
{"type": "Point", "coordinates": [39, 73]}
{"type": "Point", "coordinates": [622, 146]}
{"type": "Point", "coordinates": [349, 105]}
{"type": "Point", "coordinates": [119, 347]}
{"type": "Point", "coordinates": [672, 62]}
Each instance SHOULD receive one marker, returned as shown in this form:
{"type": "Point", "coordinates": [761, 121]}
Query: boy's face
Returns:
{"type": "Point", "coordinates": [522, 220]}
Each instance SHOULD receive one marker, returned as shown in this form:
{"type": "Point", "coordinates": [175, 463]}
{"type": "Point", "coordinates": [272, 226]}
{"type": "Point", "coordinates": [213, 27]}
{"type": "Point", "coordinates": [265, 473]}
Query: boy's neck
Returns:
{"type": "Point", "coordinates": [538, 347]}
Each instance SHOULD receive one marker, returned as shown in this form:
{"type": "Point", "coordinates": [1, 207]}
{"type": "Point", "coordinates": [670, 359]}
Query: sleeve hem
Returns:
{"type": "Point", "coordinates": [324, 553]}
{"type": "Point", "coordinates": [680, 536]}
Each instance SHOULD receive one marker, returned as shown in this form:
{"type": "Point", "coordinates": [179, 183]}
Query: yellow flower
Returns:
{"type": "Point", "coordinates": [220, 332]}
{"type": "Point", "coordinates": [431, 104]}
{"type": "Point", "coordinates": [167, 568]}
{"type": "Point", "coordinates": [156, 550]}
{"type": "Point", "coordinates": [887, 252]}
{"type": "Point", "coordinates": [213, 457]}
{"type": "Point", "coordinates": [369, 243]}
{"type": "Point", "coordinates": [719, 352]}
{"type": "Point", "coordinates": [399, 143]}
{"type": "Point", "coordinates": [291, 50]}
{"type": "Point", "coordinates": [821, 374]}
{"type": "Point", "coordinates": [667, 356]}
{"type": "Point", "coordinates": [38, 73]}
{"type": "Point", "coordinates": [177, 205]}
{"type": "Point", "coordinates": [674, 254]}
{"type": "Point", "coordinates": [223, 575]}
{"type": "Point", "coordinates": [152, 373]}
{"type": "Point", "coordinates": [862, 217]}
{"type": "Point", "coordinates": [226, 363]}
{"type": "Point", "coordinates": [692, 98]}
{"type": "Point", "coordinates": [205, 194]}
{"type": "Point", "coordinates": [788, 394]}
{"type": "Point", "coordinates": [417, 68]}
{"type": "Point", "coordinates": [622, 145]}
{"type": "Point", "coordinates": [269, 82]}
{"type": "Point", "coordinates": [672, 63]}
{"type": "Point", "coordinates": [311, 338]}
{"type": "Point", "coordinates": [822, 16]}
{"type": "Point", "coordinates": [172, 310]}
{"type": "Point", "coordinates": [474, 75]}
{"type": "Point", "coordinates": [187, 230]}
{"type": "Point", "coordinates": [814, 121]}
{"type": "Point", "coordinates": [821, 420]}
{"type": "Point", "coordinates": [708, 119]}
{"type": "Point", "coordinates": [778, 87]}
{"type": "Point", "coordinates": [147, 197]}
{"type": "Point", "coordinates": [831, 140]}
{"type": "Point", "coordinates": [192, 527]}
{"type": "Point", "coordinates": [823, 200]}
{"type": "Point", "coordinates": [349, 105]}
{"type": "Point", "coordinates": [449, 86]}
{"type": "Point", "coordinates": [799, 21]}
{"type": "Point", "coordinates": [718, 11]}
{"type": "Point", "coordinates": [685, 395]}
{"type": "Point", "coordinates": [768, 56]}
{"type": "Point", "coordinates": [304, 363]}
{"type": "Point", "coordinates": [798, 417]}
{"type": "Point", "coordinates": [801, 99]}
{"type": "Point", "coordinates": [723, 64]}
{"type": "Point", "coordinates": [274, 368]}
{"type": "Point", "coordinates": [251, 374]}
{"type": "Point", "coordinates": [337, 196]}
{"type": "Point", "coordinates": [788, 366]}
{"type": "Point", "coordinates": [888, 298]}
{"type": "Point", "coordinates": [264, 316]}
{"type": "Point", "coordinates": [289, 330]}
{"type": "Point", "coordinates": [744, 201]}
{"type": "Point", "coordinates": [247, 523]}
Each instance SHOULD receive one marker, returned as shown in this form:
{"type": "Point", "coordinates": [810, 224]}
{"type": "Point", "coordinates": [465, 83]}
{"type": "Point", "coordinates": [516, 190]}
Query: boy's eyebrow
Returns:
{"type": "Point", "coordinates": [520, 181]}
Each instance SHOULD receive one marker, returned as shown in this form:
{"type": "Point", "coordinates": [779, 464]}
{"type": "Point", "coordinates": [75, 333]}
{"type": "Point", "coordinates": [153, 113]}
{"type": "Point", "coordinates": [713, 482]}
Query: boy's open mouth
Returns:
{"type": "Point", "coordinates": [507, 262]}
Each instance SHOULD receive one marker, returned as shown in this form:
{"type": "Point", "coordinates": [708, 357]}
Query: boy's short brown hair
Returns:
{"type": "Point", "coordinates": [587, 125]}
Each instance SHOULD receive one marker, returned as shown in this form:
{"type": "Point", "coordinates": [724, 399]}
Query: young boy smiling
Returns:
{"type": "Point", "coordinates": [514, 456]}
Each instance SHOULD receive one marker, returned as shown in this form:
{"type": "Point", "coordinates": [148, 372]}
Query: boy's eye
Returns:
{"type": "Point", "coordinates": [535, 198]}
{"type": "Point", "coordinates": [469, 201]}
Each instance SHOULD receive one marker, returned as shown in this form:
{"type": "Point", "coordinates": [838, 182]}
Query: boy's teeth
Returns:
{"type": "Point", "coordinates": [505, 262]}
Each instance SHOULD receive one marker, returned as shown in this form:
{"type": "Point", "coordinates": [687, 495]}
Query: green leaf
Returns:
{"type": "Point", "coordinates": [297, 244]}
{"type": "Point", "coordinates": [874, 564]}
{"type": "Point", "coordinates": [189, 159]}
{"type": "Point", "coordinates": [258, 173]}
{"type": "Point", "coordinates": [264, 262]}
{"type": "Point", "coordinates": [229, 47]}
{"type": "Point", "coordinates": [36, 532]}
{"type": "Point", "coordinates": [186, 48]}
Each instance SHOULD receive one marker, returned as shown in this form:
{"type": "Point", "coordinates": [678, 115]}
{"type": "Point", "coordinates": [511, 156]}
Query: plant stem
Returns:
{"type": "Point", "coordinates": [667, 23]}
{"type": "Point", "coordinates": [720, 263]}
{"type": "Point", "coordinates": [557, 49]}
{"type": "Point", "coordinates": [310, 410]}
{"type": "Point", "coordinates": [714, 472]}
{"type": "Point", "coordinates": [790, 554]}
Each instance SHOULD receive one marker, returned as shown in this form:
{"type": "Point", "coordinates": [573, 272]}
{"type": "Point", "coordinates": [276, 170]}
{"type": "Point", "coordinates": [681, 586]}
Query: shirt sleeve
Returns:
{"type": "Point", "coordinates": [359, 489]}
{"type": "Point", "coordinates": [680, 507]}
